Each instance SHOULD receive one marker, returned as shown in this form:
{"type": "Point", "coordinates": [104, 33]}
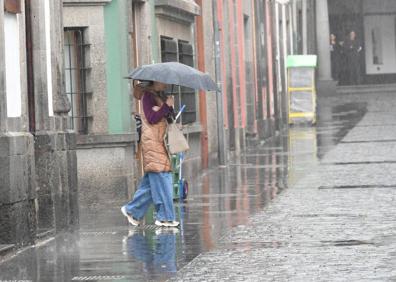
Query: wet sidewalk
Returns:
{"type": "Point", "coordinates": [301, 207]}
{"type": "Point", "coordinates": [337, 222]}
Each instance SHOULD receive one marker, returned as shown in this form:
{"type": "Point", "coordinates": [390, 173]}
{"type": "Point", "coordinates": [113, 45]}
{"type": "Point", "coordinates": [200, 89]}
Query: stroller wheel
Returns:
{"type": "Point", "coordinates": [185, 189]}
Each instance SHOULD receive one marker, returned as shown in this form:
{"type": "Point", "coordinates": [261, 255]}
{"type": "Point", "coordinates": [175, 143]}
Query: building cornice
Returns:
{"type": "Point", "coordinates": [68, 3]}
{"type": "Point", "coordinates": [177, 10]}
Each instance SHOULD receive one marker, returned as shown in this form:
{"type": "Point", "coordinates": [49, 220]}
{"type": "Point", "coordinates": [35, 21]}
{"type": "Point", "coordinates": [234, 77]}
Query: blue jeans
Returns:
{"type": "Point", "coordinates": [160, 257]}
{"type": "Point", "coordinates": [156, 188]}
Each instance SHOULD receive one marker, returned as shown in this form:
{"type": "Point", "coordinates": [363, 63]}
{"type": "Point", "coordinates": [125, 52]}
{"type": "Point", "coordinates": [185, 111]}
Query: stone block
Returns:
{"type": "Point", "coordinates": [21, 144]}
{"type": "Point", "coordinates": [99, 191]}
{"type": "Point", "coordinates": [32, 184]}
{"type": "Point", "coordinates": [15, 179]}
{"type": "Point", "coordinates": [17, 223]}
{"type": "Point", "coordinates": [71, 140]}
{"type": "Point", "coordinates": [62, 185]}
{"type": "Point", "coordinates": [72, 171]}
{"type": "Point", "coordinates": [43, 142]}
{"type": "Point", "coordinates": [45, 212]}
{"type": "Point", "coordinates": [73, 210]}
{"type": "Point", "coordinates": [5, 145]}
{"type": "Point", "coordinates": [15, 144]}
{"type": "Point", "coordinates": [60, 141]}
{"type": "Point", "coordinates": [45, 170]}
{"type": "Point", "coordinates": [61, 207]}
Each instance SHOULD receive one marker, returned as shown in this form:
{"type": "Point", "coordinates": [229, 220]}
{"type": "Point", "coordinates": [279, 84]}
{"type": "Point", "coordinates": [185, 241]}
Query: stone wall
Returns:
{"type": "Point", "coordinates": [17, 189]}
{"type": "Point", "coordinates": [38, 176]}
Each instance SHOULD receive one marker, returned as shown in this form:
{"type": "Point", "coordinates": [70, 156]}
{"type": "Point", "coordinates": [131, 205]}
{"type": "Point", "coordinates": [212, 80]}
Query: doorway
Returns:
{"type": "Point", "coordinates": [374, 22]}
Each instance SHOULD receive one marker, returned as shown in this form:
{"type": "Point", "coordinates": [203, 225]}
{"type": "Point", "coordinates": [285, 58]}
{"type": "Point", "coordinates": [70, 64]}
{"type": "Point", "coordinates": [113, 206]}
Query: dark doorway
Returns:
{"type": "Point", "coordinates": [344, 17]}
{"type": "Point", "coordinates": [347, 15]}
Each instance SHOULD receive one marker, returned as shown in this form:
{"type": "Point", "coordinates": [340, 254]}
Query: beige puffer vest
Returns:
{"type": "Point", "coordinates": [155, 155]}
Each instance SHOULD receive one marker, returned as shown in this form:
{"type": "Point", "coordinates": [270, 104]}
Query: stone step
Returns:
{"type": "Point", "coordinates": [377, 88]}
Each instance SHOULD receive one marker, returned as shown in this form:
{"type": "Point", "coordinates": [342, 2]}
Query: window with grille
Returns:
{"type": "Point", "coordinates": [182, 52]}
{"type": "Point", "coordinates": [75, 78]}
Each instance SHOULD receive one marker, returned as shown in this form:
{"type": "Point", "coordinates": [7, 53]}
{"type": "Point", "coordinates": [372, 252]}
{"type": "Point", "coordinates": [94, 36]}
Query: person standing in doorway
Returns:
{"type": "Point", "coordinates": [335, 56]}
{"type": "Point", "coordinates": [353, 50]}
{"type": "Point", "coordinates": [156, 185]}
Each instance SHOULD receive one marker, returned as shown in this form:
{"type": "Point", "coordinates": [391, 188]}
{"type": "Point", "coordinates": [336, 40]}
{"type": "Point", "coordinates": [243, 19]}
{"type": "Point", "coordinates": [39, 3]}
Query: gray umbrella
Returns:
{"type": "Point", "coordinates": [174, 73]}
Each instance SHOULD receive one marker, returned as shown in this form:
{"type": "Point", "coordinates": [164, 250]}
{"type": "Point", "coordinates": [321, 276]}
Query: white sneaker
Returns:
{"type": "Point", "coordinates": [131, 220]}
{"type": "Point", "coordinates": [172, 223]}
{"type": "Point", "coordinates": [167, 223]}
{"type": "Point", "coordinates": [159, 223]}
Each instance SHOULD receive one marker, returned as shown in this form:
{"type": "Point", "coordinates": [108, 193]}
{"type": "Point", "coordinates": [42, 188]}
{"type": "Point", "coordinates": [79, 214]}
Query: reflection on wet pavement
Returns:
{"type": "Point", "coordinates": [107, 249]}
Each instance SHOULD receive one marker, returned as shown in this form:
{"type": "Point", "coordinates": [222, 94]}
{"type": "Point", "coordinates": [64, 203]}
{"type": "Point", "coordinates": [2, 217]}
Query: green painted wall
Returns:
{"type": "Point", "coordinates": [116, 42]}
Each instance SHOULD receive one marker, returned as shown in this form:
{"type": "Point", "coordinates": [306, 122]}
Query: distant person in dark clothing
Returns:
{"type": "Point", "coordinates": [353, 49]}
{"type": "Point", "coordinates": [335, 53]}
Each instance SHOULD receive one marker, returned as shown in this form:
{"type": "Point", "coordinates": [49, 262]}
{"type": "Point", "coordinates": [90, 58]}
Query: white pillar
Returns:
{"type": "Point", "coordinates": [322, 37]}
{"type": "Point", "coordinates": [12, 65]}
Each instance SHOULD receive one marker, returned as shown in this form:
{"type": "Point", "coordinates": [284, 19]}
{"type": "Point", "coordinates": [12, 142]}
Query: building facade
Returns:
{"type": "Point", "coordinates": [241, 44]}
{"type": "Point", "coordinates": [97, 56]}
{"type": "Point", "coordinates": [38, 184]}
{"type": "Point", "coordinates": [70, 115]}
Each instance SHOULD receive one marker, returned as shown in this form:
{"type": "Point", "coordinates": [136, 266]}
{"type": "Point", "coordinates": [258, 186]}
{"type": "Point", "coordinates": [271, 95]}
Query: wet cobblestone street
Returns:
{"type": "Point", "coordinates": [336, 223]}
{"type": "Point", "coordinates": [314, 204]}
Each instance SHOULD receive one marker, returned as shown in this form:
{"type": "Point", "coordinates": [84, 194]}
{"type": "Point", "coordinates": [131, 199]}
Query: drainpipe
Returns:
{"type": "Point", "coordinates": [219, 98]}
{"type": "Point", "coordinates": [30, 68]}
{"type": "Point", "coordinates": [241, 59]}
{"type": "Point", "coordinates": [284, 43]}
{"type": "Point", "coordinates": [202, 95]}
{"type": "Point", "coordinates": [223, 68]}
{"type": "Point", "coordinates": [235, 100]}
{"type": "Point", "coordinates": [285, 54]}
{"type": "Point", "coordinates": [278, 66]}
{"type": "Point", "coordinates": [270, 57]}
{"type": "Point", "coordinates": [256, 88]}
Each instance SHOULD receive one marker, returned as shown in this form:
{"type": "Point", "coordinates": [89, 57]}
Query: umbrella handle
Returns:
{"type": "Point", "coordinates": [180, 112]}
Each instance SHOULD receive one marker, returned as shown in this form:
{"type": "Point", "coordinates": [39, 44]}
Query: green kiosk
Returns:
{"type": "Point", "coordinates": [301, 88]}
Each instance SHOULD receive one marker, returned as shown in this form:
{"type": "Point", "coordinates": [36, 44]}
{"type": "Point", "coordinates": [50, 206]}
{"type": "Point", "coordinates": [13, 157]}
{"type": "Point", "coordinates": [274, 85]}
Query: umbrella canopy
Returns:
{"type": "Point", "coordinates": [174, 73]}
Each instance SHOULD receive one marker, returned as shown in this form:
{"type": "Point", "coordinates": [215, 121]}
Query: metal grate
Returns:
{"type": "Point", "coordinates": [76, 78]}
{"type": "Point", "coordinates": [98, 233]}
{"type": "Point", "coordinates": [182, 52]}
{"type": "Point", "coordinates": [98, 277]}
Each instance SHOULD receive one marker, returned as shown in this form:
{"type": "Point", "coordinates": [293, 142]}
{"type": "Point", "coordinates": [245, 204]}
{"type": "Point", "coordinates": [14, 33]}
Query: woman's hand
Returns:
{"type": "Point", "coordinates": [156, 108]}
{"type": "Point", "coordinates": [170, 101]}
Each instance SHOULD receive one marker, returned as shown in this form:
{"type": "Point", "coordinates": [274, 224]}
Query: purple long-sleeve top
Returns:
{"type": "Point", "coordinates": [151, 115]}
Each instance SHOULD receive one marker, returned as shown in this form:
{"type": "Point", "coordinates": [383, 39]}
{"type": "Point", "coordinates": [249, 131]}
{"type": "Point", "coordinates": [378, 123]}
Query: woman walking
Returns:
{"type": "Point", "coordinates": [156, 185]}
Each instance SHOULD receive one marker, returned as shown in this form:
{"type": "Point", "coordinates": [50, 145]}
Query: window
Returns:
{"type": "Point", "coordinates": [75, 78]}
{"type": "Point", "coordinates": [181, 51]}
{"type": "Point", "coordinates": [12, 6]}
